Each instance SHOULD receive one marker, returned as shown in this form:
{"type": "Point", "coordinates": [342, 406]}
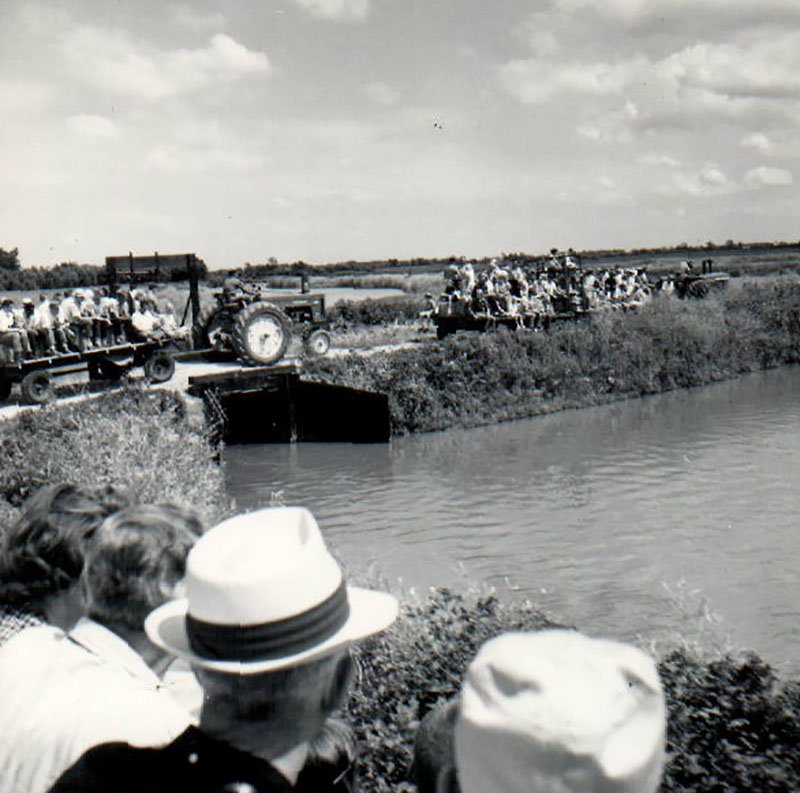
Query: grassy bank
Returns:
{"type": "Point", "coordinates": [144, 441]}
{"type": "Point", "coordinates": [473, 379]}
{"type": "Point", "coordinates": [733, 727]}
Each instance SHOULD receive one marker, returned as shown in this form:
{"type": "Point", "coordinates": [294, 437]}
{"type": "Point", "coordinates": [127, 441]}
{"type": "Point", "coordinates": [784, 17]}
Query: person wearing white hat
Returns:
{"type": "Point", "coordinates": [266, 624]}
{"type": "Point", "coordinates": [558, 712]}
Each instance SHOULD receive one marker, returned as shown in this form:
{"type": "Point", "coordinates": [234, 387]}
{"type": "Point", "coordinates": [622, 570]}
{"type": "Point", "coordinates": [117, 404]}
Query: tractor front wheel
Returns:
{"type": "Point", "coordinates": [318, 342]}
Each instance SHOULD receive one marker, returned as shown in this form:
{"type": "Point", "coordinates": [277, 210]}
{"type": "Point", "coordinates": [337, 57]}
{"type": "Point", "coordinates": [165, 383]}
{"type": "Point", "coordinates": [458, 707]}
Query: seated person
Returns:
{"type": "Point", "coordinates": [101, 682]}
{"type": "Point", "coordinates": [13, 336]}
{"type": "Point", "coordinates": [548, 712]}
{"type": "Point", "coordinates": [144, 325]}
{"type": "Point", "coordinates": [42, 555]}
{"type": "Point", "coordinates": [71, 317]}
{"type": "Point", "coordinates": [267, 627]}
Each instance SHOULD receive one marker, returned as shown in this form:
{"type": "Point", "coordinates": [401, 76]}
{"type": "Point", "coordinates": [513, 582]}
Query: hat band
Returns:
{"type": "Point", "coordinates": [269, 640]}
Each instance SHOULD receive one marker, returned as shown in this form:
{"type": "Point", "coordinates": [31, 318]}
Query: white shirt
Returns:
{"type": "Point", "coordinates": [60, 695]}
{"type": "Point", "coordinates": [68, 310]}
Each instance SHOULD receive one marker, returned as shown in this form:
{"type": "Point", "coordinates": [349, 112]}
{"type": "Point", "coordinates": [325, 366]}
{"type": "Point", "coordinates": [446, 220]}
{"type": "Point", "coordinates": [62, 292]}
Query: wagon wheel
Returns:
{"type": "Point", "coordinates": [37, 387]}
{"type": "Point", "coordinates": [261, 334]}
{"type": "Point", "coordinates": [5, 389]}
{"type": "Point", "coordinates": [318, 342]}
{"type": "Point", "coordinates": [159, 367]}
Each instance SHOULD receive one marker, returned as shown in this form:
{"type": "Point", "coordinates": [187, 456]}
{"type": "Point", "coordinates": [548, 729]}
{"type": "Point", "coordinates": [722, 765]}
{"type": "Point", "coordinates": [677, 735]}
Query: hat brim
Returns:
{"type": "Point", "coordinates": [370, 612]}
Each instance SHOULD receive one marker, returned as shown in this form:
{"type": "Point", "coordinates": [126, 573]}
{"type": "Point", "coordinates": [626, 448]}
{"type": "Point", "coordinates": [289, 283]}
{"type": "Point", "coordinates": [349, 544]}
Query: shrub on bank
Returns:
{"type": "Point", "coordinates": [473, 378]}
{"type": "Point", "coordinates": [380, 311]}
{"type": "Point", "coordinates": [138, 439]}
{"type": "Point", "coordinates": [732, 726]}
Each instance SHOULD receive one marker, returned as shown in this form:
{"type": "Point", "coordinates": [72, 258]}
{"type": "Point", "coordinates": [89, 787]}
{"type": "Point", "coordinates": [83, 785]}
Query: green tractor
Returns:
{"type": "Point", "coordinates": [258, 325]}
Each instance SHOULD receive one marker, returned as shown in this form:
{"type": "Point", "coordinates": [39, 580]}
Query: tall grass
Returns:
{"type": "Point", "coordinates": [732, 726]}
{"type": "Point", "coordinates": [144, 441]}
{"type": "Point", "coordinates": [473, 378]}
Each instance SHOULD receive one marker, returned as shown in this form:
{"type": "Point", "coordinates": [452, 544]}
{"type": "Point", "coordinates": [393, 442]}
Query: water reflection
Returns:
{"type": "Point", "coordinates": [587, 512]}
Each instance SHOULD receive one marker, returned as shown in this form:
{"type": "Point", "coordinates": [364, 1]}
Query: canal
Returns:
{"type": "Point", "coordinates": [674, 515]}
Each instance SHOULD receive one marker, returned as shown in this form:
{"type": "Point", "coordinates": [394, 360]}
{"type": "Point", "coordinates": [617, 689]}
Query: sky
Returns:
{"type": "Point", "coordinates": [336, 130]}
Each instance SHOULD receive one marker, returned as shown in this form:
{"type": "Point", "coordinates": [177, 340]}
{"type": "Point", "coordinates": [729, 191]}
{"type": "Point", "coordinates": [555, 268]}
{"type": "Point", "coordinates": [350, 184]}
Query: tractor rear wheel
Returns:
{"type": "Point", "coordinates": [37, 387]}
{"type": "Point", "coordinates": [261, 334]}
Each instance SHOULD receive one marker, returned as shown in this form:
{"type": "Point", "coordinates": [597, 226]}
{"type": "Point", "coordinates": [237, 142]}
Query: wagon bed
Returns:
{"type": "Point", "coordinates": [111, 362]}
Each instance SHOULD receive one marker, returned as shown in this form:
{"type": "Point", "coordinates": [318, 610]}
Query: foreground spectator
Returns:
{"type": "Point", "coordinates": [548, 712]}
{"type": "Point", "coordinates": [267, 626]}
{"type": "Point", "coordinates": [42, 556]}
{"type": "Point", "coordinates": [62, 694]}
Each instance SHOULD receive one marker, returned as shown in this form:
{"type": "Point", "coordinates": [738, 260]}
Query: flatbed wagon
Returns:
{"type": "Point", "coordinates": [36, 375]}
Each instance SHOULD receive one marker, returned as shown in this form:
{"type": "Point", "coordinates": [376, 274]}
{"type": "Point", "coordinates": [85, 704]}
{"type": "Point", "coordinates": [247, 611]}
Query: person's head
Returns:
{"type": "Point", "coordinates": [558, 712]}
{"type": "Point", "coordinates": [42, 554]}
{"type": "Point", "coordinates": [28, 306]}
{"type": "Point", "coordinates": [6, 302]}
{"type": "Point", "coordinates": [135, 562]}
{"type": "Point", "coordinates": [267, 625]}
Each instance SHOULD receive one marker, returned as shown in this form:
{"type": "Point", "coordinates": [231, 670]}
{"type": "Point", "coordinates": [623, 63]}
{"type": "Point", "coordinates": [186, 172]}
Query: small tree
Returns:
{"type": "Point", "coordinates": [9, 260]}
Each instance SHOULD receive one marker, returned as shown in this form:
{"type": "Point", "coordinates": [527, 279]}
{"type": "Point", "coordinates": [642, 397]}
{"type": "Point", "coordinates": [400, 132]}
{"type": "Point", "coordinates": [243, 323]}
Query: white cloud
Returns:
{"type": "Point", "coordinates": [381, 93]}
{"type": "Point", "coordinates": [768, 177]}
{"type": "Point", "coordinates": [190, 18]}
{"type": "Point", "coordinates": [708, 181]}
{"type": "Point", "coordinates": [758, 141]}
{"type": "Point", "coordinates": [187, 161]}
{"type": "Point", "coordinates": [336, 9]}
{"type": "Point", "coordinates": [92, 128]}
{"type": "Point", "coordinates": [768, 66]}
{"type": "Point", "coordinates": [18, 97]}
{"type": "Point", "coordinates": [112, 61]}
{"type": "Point", "coordinates": [660, 161]}
{"type": "Point", "coordinates": [537, 80]}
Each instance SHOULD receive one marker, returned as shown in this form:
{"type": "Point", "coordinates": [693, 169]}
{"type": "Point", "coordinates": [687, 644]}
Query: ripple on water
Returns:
{"type": "Point", "coordinates": [589, 512]}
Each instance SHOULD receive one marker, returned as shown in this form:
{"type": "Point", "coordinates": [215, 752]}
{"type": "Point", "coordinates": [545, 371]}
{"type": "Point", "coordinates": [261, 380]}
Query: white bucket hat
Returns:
{"type": "Point", "coordinates": [262, 593]}
{"type": "Point", "coordinates": [558, 712]}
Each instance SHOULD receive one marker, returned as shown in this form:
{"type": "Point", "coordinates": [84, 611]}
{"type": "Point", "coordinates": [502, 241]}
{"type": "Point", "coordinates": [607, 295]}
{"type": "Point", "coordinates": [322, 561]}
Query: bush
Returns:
{"type": "Point", "coordinates": [144, 441]}
{"type": "Point", "coordinates": [732, 726]}
{"type": "Point", "coordinates": [419, 661]}
{"type": "Point", "coordinates": [381, 311]}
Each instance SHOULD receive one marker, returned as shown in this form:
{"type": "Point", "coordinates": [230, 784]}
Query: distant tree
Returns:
{"type": "Point", "coordinates": [9, 260]}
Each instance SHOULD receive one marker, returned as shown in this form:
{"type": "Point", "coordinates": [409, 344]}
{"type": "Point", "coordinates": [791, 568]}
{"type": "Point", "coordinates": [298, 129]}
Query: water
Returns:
{"type": "Point", "coordinates": [634, 519]}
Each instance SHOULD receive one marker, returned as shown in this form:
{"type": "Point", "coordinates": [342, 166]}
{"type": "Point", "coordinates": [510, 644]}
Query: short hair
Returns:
{"type": "Point", "coordinates": [331, 760]}
{"type": "Point", "coordinates": [135, 561]}
{"type": "Point", "coordinates": [42, 554]}
{"type": "Point", "coordinates": [268, 696]}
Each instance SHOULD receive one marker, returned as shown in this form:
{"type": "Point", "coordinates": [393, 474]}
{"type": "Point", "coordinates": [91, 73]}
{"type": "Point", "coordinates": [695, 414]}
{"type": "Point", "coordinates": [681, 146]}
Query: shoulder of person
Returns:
{"type": "Point", "coordinates": [192, 762]}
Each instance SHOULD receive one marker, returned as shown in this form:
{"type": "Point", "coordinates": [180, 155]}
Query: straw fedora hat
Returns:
{"type": "Point", "coordinates": [263, 593]}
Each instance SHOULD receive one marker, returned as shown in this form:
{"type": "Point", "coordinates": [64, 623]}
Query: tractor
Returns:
{"type": "Point", "coordinates": [257, 325]}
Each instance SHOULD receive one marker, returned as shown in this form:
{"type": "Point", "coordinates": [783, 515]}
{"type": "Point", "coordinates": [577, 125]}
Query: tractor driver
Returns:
{"type": "Point", "coordinates": [234, 288]}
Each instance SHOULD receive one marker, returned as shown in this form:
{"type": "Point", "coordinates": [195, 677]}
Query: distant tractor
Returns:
{"type": "Point", "coordinates": [257, 325]}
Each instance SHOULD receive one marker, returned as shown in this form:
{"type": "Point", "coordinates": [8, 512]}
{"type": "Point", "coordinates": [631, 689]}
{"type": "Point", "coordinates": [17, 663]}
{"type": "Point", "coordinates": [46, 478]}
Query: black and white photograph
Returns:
{"type": "Point", "coordinates": [400, 396]}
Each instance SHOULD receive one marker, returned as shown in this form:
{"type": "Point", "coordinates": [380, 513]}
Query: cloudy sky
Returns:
{"type": "Point", "coordinates": [328, 130]}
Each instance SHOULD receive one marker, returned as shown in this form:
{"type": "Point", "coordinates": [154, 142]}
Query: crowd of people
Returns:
{"type": "Point", "coordinates": [528, 294]}
{"type": "Point", "coordinates": [140, 651]}
{"type": "Point", "coordinates": [83, 319]}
